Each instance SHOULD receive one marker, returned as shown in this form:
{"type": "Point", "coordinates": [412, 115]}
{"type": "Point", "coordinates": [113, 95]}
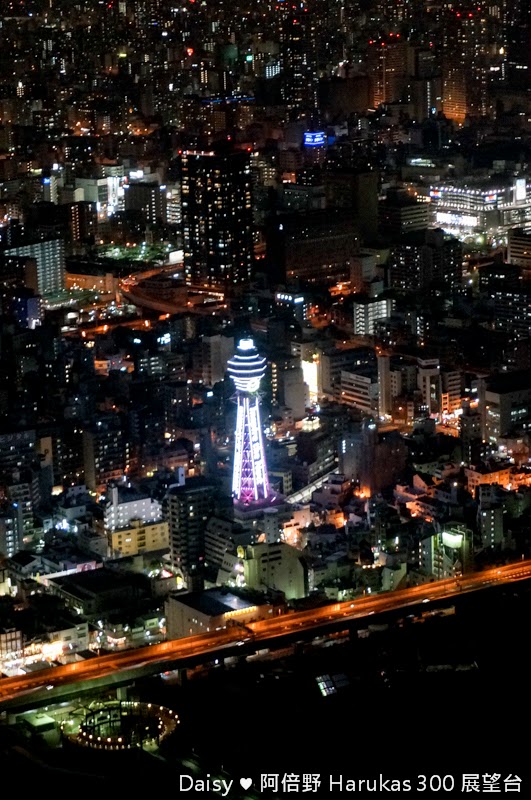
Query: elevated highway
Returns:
{"type": "Point", "coordinates": [120, 668]}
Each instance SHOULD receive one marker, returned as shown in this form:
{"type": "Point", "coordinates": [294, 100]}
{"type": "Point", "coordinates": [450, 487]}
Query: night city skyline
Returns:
{"type": "Point", "coordinates": [265, 396]}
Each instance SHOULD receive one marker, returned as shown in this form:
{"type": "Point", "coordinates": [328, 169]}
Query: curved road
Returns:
{"type": "Point", "coordinates": [212, 644]}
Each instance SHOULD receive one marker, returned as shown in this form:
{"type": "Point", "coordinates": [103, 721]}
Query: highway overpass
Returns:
{"type": "Point", "coordinates": [123, 667]}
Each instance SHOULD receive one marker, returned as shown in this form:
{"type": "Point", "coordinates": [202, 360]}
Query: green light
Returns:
{"type": "Point", "coordinates": [249, 57]}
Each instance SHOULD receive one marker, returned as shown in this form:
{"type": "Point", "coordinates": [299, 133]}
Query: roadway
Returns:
{"type": "Point", "coordinates": [273, 630]}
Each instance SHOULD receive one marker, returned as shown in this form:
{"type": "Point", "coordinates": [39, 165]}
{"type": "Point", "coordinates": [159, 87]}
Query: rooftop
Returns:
{"type": "Point", "coordinates": [196, 484]}
{"type": "Point", "coordinates": [506, 382]}
{"type": "Point", "coordinates": [23, 558]}
{"type": "Point", "coordinates": [214, 602]}
{"type": "Point", "coordinates": [126, 494]}
{"type": "Point", "coordinates": [93, 582]}
{"type": "Point", "coordinates": [487, 469]}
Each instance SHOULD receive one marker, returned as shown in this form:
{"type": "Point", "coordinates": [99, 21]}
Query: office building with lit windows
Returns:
{"type": "Point", "coordinates": [187, 510]}
{"type": "Point", "coordinates": [401, 213]}
{"type": "Point", "coordinates": [466, 62]}
{"type": "Point", "coordinates": [217, 218]}
{"type": "Point", "coordinates": [519, 249]}
{"type": "Point", "coordinates": [367, 311]}
{"type": "Point", "coordinates": [49, 255]}
{"type": "Point", "coordinates": [505, 404]}
{"type": "Point", "coordinates": [297, 57]}
{"type": "Point", "coordinates": [105, 452]}
{"type": "Point", "coordinates": [517, 55]}
{"type": "Point", "coordinates": [148, 198]}
{"type": "Point", "coordinates": [388, 65]}
{"type": "Point", "coordinates": [425, 258]}
{"type": "Point", "coordinates": [314, 248]}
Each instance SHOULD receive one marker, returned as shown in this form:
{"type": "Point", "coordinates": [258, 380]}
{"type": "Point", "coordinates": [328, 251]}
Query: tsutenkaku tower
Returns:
{"type": "Point", "coordinates": [250, 483]}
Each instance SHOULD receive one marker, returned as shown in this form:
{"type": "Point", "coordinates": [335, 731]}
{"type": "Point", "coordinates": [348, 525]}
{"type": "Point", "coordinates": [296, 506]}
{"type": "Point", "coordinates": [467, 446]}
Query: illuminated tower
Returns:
{"type": "Point", "coordinates": [249, 482]}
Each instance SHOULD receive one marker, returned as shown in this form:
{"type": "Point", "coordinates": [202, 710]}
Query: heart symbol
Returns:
{"type": "Point", "coordinates": [245, 783]}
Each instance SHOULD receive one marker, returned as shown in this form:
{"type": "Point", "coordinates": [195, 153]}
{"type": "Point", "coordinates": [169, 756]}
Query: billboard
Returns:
{"type": "Point", "coordinates": [456, 220]}
{"type": "Point", "coordinates": [314, 139]}
{"type": "Point", "coordinates": [521, 189]}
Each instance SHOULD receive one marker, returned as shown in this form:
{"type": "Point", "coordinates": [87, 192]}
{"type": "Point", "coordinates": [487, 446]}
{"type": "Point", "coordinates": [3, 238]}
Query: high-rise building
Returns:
{"type": "Point", "coordinates": [81, 220]}
{"type": "Point", "coordinates": [50, 189]}
{"type": "Point", "coordinates": [424, 258]}
{"type": "Point", "coordinates": [250, 482]}
{"type": "Point", "coordinates": [217, 218]}
{"type": "Point", "coordinates": [18, 271]}
{"type": "Point", "coordinates": [504, 404]}
{"type": "Point", "coordinates": [512, 310]}
{"type": "Point", "coordinates": [516, 18]}
{"type": "Point", "coordinates": [429, 384]}
{"type": "Point", "coordinates": [389, 62]}
{"type": "Point", "coordinates": [360, 390]}
{"type": "Point", "coordinates": [148, 198]}
{"type": "Point", "coordinates": [148, 13]}
{"type": "Point", "coordinates": [26, 307]}
{"type": "Point", "coordinates": [297, 57]}
{"type": "Point", "coordinates": [50, 257]}
{"type": "Point", "coordinates": [465, 62]}
{"type": "Point", "coordinates": [400, 213]}
{"type": "Point", "coordinates": [368, 311]}
{"type": "Point", "coordinates": [353, 189]}
{"type": "Point", "coordinates": [105, 452]}
{"type": "Point", "coordinates": [214, 352]}
{"type": "Point", "coordinates": [131, 521]}
{"type": "Point", "coordinates": [384, 383]}
{"type": "Point", "coordinates": [17, 451]}
{"type": "Point", "coordinates": [315, 248]}
{"type": "Point", "coordinates": [10, 539]}
{"type": "Point", "coordinates": [333, 361]}
{"type": "Point", "coordinates": [519, 249]}
{"type": "Point", "coordinates": [188, 508]}
{"type": "Point", "coordinates": [24, 492]}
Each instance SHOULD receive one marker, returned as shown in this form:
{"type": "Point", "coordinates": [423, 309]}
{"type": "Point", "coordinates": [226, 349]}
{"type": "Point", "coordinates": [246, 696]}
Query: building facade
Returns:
{"type": "Point", "coordinates": [217, 218]}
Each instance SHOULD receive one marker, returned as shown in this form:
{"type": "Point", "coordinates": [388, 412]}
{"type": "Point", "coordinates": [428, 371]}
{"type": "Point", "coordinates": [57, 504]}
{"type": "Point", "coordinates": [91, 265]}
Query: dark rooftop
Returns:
{"type": "Point", "coordinates": [214, 602]}
{"type": "Point", "coordinates": [23, 558]}
{"type": "Point", "coordinates": [93, 582]}
{"type": "Point", "coordinates": [198, 483]}
{"type": "Point", "coordinates": [505, 382]}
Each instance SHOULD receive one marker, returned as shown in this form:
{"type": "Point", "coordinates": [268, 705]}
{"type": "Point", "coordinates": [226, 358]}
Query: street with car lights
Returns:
{"type": "Point", "coordinates": [265, 632]}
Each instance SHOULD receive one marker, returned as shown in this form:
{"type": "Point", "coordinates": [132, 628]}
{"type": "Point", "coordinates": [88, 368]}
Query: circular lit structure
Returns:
{"type": "Point", "coordinates": [250, 483]}
{"type": "Point", "coordinates": [247, 368]}
{"type": "Point", "coordinates": [117, 726]}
